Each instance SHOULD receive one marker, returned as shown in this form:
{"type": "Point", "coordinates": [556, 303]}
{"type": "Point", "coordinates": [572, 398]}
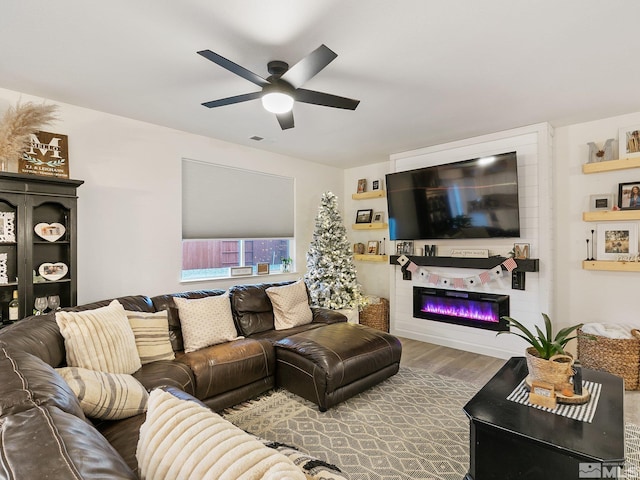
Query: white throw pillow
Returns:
{"type": "Point", "coordinates": [290, 305]}
{"type": "Point", "coordinates": [206, 321]}
{"type": "Point", "coordinates": [107, 396]}
{"type": "Point", "coordinates": [182, 439]}
{"type": "Point", "coordinates": [151, 331]}
{"type": "Point", "coordinates": [99, 339]}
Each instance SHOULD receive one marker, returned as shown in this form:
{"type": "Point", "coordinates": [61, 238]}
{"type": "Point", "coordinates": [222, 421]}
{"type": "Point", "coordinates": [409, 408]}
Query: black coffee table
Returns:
{"type": "Point", "coordinates": [513, 441]}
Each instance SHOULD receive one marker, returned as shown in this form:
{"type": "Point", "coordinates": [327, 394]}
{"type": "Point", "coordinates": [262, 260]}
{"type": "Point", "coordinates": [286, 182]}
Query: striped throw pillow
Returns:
{"type": "Point", "coordinates": [151, 331]}
{"type": "Point", "coordinates": [106, 396]}
{"type": "Point", "coordinates": [181, 439]}
{"type": "Point", "coordinates": [99, 339]}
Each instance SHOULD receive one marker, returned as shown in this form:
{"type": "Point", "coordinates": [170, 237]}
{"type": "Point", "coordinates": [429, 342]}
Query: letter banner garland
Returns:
{"type": "Point", "coordinates": [460, 282]}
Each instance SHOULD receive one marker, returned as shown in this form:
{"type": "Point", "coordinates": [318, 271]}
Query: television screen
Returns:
{"type": "Point", "coordinates": [475, 198]}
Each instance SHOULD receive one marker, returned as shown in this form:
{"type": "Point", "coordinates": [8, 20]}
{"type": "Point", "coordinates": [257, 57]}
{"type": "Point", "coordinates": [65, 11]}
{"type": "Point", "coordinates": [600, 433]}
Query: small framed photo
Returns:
{"type": "Point", "coordinates": [364, 216]}
{"type": "Point", "coordinates": [372, 247]}
{"type": "Point", "coordinates": [521, 251]}
{"type": "Point", "coordinates": [602, 201]}
{"type": "Point", "coordinates": [263, 268]}
{"type": "Point", "coordinates": [615, 239]}
{"type": "Point", "coordinates": [629, 142]}
{"type": "Point", "coordinates": [378, 217]}
{"type": "Point", "coordinates": [7, 227]}
{"type": "Point", "coordinates": [629, 195]}
{"type": "Point", "coordinates": [358, 248]}
{"type": "Point", "coordinates": [404, 248]}
{"type": "Point", "coordinates": [362, 185]}
{"type": "Point", "coordinates": [376, 185]}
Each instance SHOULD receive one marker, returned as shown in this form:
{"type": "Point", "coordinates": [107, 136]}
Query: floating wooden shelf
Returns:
{"type": "Point", "coordinates": [529, 265]}
{"type": "Point", "coordinates": [370, 226]}
{"type": "Point", "coordinates": [611, 165]}
{"type": "Point", "coordinates": [367, 195]}
{"type": "Point", "coordinates": [611, 266]}
{"type": "Point", "coordinates": [371, 258]}
{"type": "Point", "coordinates": [611, 215]}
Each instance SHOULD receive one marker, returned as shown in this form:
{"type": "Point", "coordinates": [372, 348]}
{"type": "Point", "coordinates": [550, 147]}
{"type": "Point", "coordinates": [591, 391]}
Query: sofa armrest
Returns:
{"type": "Point", "coordinates": [325, 315]}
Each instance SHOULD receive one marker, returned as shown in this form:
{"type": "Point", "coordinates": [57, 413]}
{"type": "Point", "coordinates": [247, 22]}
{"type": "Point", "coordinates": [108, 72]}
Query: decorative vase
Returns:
{"type": "Point", "coordinates": [556, 371]}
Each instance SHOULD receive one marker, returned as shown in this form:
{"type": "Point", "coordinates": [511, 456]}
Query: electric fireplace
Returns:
{"type": "Point", "coordinates": [471, 309]}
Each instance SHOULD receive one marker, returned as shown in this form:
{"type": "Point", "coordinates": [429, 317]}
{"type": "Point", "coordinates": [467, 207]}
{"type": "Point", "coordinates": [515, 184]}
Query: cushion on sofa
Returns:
{"type": "Point", "coordinates": [206, 321]}
{"type": "Point", "coordinates": [151, 331]}
{"type": "Point", "coordinates": [45, 442]}
{"type": "Point", "coordinates": [252, 309]}
{"type": "Point", "coordinates": [28, 382]}
{"type": "Point", "coordinates": [99, 339]}
{"type": "Point", "coordinates": [107, 396]}
{"type": "Point", "coordinates": [181, 439]}
{"type": "Point", "coordinates": [166, 302]}
{"type": "Point", "coordinates": [290, 305]}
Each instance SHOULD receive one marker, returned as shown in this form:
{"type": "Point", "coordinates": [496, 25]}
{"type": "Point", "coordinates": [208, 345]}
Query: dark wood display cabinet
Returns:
{"type": "Point", "coordinates": [38, 221]}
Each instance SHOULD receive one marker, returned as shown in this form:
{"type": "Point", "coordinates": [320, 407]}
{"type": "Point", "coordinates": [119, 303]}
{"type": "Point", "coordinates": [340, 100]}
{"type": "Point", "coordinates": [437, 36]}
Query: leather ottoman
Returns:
{"type": "Point", "coordinates": [330, 364]}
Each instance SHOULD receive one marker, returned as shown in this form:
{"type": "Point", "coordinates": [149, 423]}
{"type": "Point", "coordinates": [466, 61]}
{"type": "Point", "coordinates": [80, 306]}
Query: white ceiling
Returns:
{"type": "Point", "coordinates": [425, 71]}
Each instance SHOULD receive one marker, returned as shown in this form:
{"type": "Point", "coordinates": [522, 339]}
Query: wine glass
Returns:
{"type": "Point", "coordinates": [54, 302]}
{"type": "Point", "coordinates": [40, 304]}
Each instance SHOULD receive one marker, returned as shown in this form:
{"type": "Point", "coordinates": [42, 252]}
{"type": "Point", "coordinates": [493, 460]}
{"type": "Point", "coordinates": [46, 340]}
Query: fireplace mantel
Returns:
{"type": "Point", "coordinates": [528, 265]}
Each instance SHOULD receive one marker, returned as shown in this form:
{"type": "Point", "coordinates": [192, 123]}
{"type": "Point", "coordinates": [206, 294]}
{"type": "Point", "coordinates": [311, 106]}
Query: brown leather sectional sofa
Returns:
{"type": "Point", "coordinates": [44, 433]}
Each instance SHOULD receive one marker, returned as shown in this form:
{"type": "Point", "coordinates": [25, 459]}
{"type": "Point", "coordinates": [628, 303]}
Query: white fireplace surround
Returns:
{"type": "Point", "coordinates": [533, 145]}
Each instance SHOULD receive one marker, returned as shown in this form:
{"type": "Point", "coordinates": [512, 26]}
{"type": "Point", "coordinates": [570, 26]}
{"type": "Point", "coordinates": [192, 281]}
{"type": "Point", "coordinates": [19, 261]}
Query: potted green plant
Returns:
{"type": "Point", "coordinates": [286, 264]}
{"type": "Point", "coordinates": [546, 358]}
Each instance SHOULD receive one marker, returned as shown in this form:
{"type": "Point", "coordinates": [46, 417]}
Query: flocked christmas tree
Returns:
{"type": "Point", "coordinates": [331, 273]}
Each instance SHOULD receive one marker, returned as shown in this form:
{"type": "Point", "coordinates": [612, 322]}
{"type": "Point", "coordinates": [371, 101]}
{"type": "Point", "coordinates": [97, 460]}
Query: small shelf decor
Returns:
{"type": "Point", "coordinates": [7, 227]}
{"type": "Point", "coordinates": [50, 231]}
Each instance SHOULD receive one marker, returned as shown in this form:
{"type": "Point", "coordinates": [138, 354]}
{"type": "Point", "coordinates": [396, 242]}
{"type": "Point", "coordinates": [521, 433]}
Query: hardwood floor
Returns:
{"type": "Point", "coordinates": [477, 369]}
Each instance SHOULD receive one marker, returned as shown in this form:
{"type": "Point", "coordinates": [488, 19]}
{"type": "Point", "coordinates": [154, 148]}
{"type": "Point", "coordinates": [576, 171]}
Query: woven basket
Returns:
{"type": "Point", "coordinates": [557, 370]}
{"type": "Point", "coordinates": [376, 315]}
{"type": "Point", "coordinates": [617, 356]}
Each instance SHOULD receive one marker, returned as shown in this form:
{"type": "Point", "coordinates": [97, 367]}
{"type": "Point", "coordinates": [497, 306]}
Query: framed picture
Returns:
{"type": "Point", "coordinates": [629, 195]}
{"type": "Point", "coordinates": [364, 216]}
{"type": "Point", "coordinates": [358, 248]}
{"type": "Point", "coordinates": [602, 201]}
{"type": "Point", "coordinates": [372, 247]}
{"type": "Point", "coordinates": [7, 227]}
{"type": "Point", "coordinates": [362, 185]}
{"type": "Point", "coordinates": [263, 268]}
{"type": "Point", "coordinates": [404, 248]}
{"type": "Point", "coordinates": [629, 142]}
{"type": "Point", "coordinates": [615, 239]}
{"type": "Point", "coordinates": [241, 271]}
{"type": "Point", "coordinates": [378, 217]}
{"type": "Point", "coordinates": [521, 251]}
{"type": "Point", "coordinates": [376, 185]}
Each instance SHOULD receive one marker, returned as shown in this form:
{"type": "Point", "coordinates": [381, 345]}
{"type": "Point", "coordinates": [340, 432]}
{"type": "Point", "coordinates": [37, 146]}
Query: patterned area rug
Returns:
{"type": "Point", "coordinates": [410, 426]}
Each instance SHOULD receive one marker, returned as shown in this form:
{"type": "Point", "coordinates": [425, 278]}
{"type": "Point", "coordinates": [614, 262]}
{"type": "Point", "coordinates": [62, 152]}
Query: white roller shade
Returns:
{"type": "Point", "coordinates": [225, 202]}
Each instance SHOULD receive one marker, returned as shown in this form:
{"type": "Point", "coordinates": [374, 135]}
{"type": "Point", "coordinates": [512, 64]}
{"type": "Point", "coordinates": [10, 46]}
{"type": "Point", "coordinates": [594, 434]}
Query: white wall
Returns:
{"type": "Point", "coordinates": [129, 209]}
{"type": "Point", "coordinates": [373, 276]}
{"type": "Point", "coordinates": [589, 296]}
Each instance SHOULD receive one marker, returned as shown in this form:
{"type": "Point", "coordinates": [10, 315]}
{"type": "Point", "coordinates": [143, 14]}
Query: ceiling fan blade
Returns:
{"type": "Point", "coordinates": [309, 66]}
{"type": "Point", "coordinates": [285, 120]}
{"type": "Point", "coordinates": [233, 67]}
{"type": "Point", "coordinates": [325, 99]}
{"type": "Point", "coordinates": [231, 100]}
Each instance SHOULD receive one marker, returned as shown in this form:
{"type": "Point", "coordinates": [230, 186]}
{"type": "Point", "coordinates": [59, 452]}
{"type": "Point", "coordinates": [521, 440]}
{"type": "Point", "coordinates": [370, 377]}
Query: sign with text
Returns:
{"type": "Point", "coordinates": [48, 155]}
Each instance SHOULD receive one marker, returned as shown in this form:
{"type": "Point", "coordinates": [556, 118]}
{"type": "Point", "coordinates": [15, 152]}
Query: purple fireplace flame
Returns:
{"type": "Point", "coordinates": [472, 309]}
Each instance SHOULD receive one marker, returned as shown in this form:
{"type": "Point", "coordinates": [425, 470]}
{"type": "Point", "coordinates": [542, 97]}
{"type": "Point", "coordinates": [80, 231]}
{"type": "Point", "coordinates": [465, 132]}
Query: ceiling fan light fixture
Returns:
{"type": "Point", "coordinates": [277, 102]}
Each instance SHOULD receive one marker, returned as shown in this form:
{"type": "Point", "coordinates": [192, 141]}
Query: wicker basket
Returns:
{"type": "Point", "coordinates": [376, 315]}
{"type": "Point", "coordinates": [620, 357]}
{"type": "Point", "coordinates": [556, 371]}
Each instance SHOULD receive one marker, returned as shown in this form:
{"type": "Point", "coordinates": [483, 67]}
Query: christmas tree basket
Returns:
{"type": "Point", "coordinates": [618, 356]}
{"type": "Point", "coordinates": [376, 315]}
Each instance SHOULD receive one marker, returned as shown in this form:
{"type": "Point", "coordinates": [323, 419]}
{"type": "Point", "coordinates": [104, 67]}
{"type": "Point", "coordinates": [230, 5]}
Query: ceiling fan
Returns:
{"type": "Point", "coordinates": [282, 87]}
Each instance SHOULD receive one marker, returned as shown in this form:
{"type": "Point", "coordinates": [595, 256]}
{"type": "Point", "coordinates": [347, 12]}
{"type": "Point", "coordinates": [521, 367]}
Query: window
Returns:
{"type": "Point", "coordinates": [233, 218]}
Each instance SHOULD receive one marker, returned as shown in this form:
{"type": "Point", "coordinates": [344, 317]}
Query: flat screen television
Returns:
{"type": "Point", "coordinates": [475, 198]}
